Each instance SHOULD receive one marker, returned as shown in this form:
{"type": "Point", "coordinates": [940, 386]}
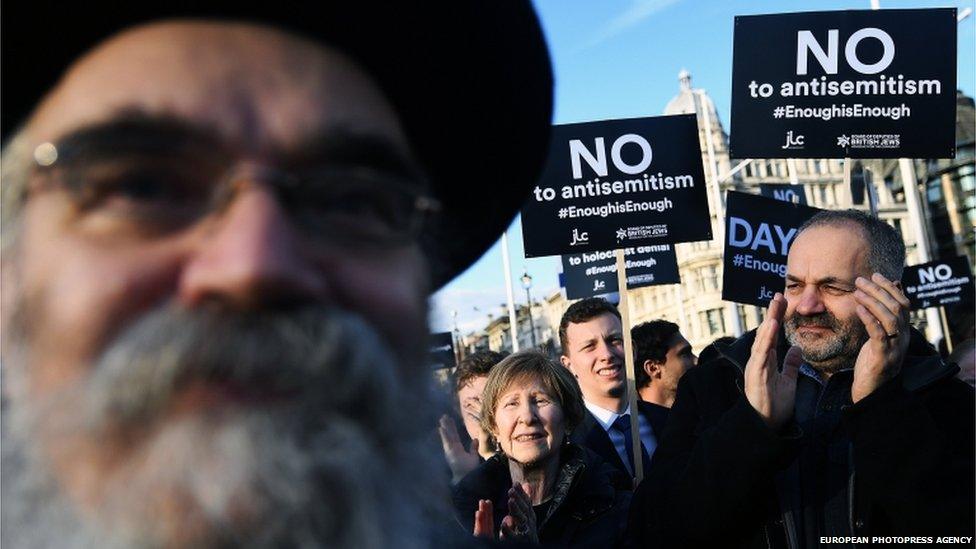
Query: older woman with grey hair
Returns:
{"type": "Point", "coordinates": [539, 487]}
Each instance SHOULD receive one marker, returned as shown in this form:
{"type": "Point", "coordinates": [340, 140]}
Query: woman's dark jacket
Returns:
{"type": "Point", "coordinates": [589, 502]}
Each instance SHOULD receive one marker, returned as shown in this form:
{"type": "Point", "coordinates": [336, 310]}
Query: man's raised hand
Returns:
{"type": "Point", "coordinates": [460, 460]}
{"type": "Point", "coordinates": [883, 309]}
{"type": "Point", "coordinates": [770, 391]}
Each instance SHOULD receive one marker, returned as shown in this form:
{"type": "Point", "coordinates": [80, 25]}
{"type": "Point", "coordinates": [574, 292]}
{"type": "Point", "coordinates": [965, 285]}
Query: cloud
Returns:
{"type": "Point", "coordinates": [638, 11]}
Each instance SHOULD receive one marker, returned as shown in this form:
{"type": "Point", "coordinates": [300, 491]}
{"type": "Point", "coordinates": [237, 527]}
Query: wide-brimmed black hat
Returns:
{"type": "Point", "coordinates": [470, 79]}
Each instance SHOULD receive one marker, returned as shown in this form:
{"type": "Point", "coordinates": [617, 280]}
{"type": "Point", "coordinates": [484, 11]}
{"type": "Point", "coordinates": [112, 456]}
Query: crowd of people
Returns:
{"type": "Point", "coordinates": [833, 420]}
{"type": "Point", "coordinates": [221, 222]}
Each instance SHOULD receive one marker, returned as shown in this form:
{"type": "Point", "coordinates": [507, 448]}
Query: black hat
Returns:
{"type": "Point", "coordinates": [470, 79]}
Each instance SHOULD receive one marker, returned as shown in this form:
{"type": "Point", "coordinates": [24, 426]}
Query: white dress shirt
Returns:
{"type": "Point", "coordinates": [606, 418]}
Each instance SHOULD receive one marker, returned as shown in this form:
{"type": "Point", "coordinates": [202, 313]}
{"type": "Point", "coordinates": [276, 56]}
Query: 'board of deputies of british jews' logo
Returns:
{"type": "Point", "coordinates": [870, 141]}
{"type": "Point", "coordinates": [642, 232]}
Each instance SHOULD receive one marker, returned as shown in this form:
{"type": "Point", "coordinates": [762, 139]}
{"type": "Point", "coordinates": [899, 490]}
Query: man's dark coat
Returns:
{"type": "Point", "coordinates": [713, 479]}
{"type": "Point", "coordinates": [591, 434]}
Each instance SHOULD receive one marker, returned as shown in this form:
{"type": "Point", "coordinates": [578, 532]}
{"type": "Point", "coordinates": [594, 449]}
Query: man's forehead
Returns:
{"type": "Point", "coordinates": [837, 251]}
{"type": "Point", "coordinates": [475, 383]}
{"type": "Point", "coordinates": [600, 324]}
{"type": "Point", "coordinates": [678, 342]}
{"type": "Point", "coordinates": [251, 84]}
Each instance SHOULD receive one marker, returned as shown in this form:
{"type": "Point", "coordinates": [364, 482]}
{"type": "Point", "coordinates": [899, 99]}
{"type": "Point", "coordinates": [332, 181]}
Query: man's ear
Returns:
{"type": "Point", "coordinates": [568, 364]}
{"type": "Point", "coordinates": [652, 369]}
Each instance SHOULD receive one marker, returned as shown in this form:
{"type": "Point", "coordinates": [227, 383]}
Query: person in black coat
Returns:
{"type": "Point", "coordinates": [540, 488]}
{"type": "Point", "coordinates": [846, 436]}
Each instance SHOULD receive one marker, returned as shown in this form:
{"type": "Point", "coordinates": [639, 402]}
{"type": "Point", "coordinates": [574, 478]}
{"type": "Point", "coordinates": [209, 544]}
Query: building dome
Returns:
{"type": "Point", "coordinates": [688, 99]}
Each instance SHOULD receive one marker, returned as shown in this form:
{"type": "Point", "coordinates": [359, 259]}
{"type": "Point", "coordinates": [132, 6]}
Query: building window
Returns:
{"type": "Point", "coordinates": [896, 223]}
{"type": "Point", "coordinates": [713, 321]}
{"type": "Point", "coordinates": [743, 319]}
{"type": "Point", "coordinates": [710, 276]}
{"type": "Point", "coordinates": [760, 314]}
{"type": "Point", "coordinates": [693, 281]}
{"type": "Point", "coordinates": [967, 182]}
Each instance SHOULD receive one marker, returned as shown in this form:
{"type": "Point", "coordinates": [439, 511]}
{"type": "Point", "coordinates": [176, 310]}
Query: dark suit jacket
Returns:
{"type": "Point", "coordinates": [590, 433]}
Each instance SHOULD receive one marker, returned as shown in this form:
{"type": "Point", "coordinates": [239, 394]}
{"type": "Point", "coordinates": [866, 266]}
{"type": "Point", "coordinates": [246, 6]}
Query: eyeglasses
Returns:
{"type": "Point", "coordinates": [151, 192]}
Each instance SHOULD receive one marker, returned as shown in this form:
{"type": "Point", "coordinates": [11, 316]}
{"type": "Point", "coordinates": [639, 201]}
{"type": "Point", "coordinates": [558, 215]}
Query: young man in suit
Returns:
{"type": "Point", "coordinates": [592, 342]}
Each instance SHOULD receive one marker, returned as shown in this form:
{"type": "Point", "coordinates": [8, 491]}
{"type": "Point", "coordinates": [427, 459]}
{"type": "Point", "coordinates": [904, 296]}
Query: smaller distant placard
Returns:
{"type": "Point", "coordinates": [784, 192]}
{"type": "Point", "coordinates": [441, 354]}
{"type": "Point", "coordinates": [758, 234]}
{"type": "Point", "coordinates": [937, 283]}
{"type": "Point", "coordinates": [595, 273]}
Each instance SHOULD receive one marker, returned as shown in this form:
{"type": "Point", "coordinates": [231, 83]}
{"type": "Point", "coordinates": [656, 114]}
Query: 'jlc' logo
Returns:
{"type": "Point", "coordinates": [580, 238]}
{"type": "Point", "coordinates": [793, 142]}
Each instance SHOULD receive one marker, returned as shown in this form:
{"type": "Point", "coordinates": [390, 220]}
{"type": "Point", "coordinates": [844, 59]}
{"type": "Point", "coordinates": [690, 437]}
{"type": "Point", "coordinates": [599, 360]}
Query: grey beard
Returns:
{"type": "Point", "coordinates": [344, 462]}
{"type": "Point", "coordinates": [834, 355]}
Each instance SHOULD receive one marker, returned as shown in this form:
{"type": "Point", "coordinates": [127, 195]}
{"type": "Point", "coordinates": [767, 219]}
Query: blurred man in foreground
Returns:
{"type": "Point", "coordinates": [218, 240]}
{"type": "Point", "coordinates": [857, 430]}
{"type": "Point", "coordinates": [661, 356]}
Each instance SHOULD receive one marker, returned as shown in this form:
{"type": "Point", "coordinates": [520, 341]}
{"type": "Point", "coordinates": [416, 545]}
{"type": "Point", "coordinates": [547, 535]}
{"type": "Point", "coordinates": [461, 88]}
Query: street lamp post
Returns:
{"type": "Point", "coordinates": [458, 348]}
{"type": "Point", "coordinates": [527, 283]}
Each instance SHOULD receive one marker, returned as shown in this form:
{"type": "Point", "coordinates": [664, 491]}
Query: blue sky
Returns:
{"type": "Point", "coordinates": [620, 59]}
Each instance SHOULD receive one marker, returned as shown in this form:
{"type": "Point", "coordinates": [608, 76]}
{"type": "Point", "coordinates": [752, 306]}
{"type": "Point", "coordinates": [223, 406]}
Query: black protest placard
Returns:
{"type": "Point", "coordinates": [594, 273]}
{"type": "Point", "coordinates": [758, 234]}
{"type": "Point", "coordinates": [937, 283]}
{"type": "Point", "coordinates": [618, 183]}
{"type": "Point", "coordinates": [858, 84]}
{"type": "Point", "coordinates": [441, 354]}
{"type": "Point", "coordinates": [786, 193]}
